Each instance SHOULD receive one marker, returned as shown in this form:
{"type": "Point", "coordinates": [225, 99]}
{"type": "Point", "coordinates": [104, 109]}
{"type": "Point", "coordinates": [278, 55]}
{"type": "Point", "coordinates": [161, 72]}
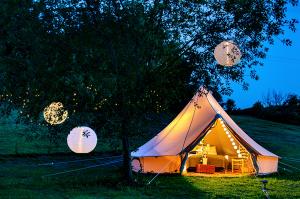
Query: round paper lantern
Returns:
{"type": "Point", "coordinates": [55, 113]}
{"type": "Point", "coordinates": [227, 53]}
{"type": "Point", "coordinates": [82, 140]}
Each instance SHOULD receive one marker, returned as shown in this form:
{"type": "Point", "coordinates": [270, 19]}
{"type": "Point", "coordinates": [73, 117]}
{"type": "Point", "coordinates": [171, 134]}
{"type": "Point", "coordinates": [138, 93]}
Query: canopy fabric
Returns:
{"type": "Point", "coordinates": [189, 124]}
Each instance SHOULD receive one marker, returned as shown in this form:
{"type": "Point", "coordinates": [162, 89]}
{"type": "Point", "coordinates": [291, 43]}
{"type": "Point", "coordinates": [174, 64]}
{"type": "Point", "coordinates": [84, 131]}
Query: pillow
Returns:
{"type": "Point", "coordinates": [212, 150]}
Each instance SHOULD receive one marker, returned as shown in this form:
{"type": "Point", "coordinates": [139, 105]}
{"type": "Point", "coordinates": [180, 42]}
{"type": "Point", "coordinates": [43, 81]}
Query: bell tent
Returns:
{"type": "Point", "coordinates": [203, 133]}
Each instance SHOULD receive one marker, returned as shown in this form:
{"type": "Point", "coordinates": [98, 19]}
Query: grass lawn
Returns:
{"type": "Point", "coordinates": [21, 177]}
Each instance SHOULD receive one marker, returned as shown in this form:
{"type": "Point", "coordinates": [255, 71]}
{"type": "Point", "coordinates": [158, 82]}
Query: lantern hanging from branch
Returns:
{"type": "Point", "coordinates": [55, 113]}
{"type": "Point", "coordinates": [227, 53]}
{"type": "Point", "coordinates": [82, 140]}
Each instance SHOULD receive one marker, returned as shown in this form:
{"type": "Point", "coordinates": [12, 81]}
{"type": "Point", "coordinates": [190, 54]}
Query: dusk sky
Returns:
{"type": "Point", "coordinates": [281, 70]}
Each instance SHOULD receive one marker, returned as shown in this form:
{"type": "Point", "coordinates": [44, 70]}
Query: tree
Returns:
{"type": "Point", "coordinates": [230, 105]}
{"type": "Point", "coordinates": [257, 108]}
{"type": "Point", "coordinates": [110, 62]}
{"type": "Point", "coordinates": [274, 98]}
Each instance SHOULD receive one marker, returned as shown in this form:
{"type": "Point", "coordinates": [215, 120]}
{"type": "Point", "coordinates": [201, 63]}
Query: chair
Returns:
{"type": "Point", "coordinates": [237, 162]}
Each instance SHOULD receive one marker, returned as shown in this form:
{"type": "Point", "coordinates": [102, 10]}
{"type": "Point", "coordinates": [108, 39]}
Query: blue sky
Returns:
{"type": "Point", "coordinates": [281, 70]}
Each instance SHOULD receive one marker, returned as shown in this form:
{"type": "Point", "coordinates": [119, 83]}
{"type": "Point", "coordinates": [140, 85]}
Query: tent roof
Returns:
{"type": "Point", "coordinates": [189, 124]}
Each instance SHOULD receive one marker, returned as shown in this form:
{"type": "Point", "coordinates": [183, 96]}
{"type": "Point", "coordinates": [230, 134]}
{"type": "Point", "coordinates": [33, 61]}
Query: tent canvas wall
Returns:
{"type": "Point", "coordinates": [168, 150]}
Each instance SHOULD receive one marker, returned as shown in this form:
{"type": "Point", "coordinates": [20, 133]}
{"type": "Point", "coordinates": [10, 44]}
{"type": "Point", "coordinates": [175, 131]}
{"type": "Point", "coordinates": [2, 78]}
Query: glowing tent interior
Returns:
{"type": "Point", "coordinates": [203, 138]}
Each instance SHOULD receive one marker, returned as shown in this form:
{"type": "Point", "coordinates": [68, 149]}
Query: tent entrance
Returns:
{"type": "Point", "coordinates": [219, 152]}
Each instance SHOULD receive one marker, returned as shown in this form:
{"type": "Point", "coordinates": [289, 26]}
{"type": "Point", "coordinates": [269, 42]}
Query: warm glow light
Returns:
{"type": "Point", "coordinates": [235, 147]}
{"type": "Point", "coordinates": [226, 157]}
{"type": "Point", "coordinates": [233, 143]}
{"type": "Point", "coordinates": [229, 136]}
{"type": "Point", "coordinates": [239, 155]}
{"type": "Point", "coordinates": [231, 139]}
{"type": "Point", "coordinates": [227, 132]}
{"type": "Point", "coordinates": [238, 151]}
{"type": "Point", "coordinates": [55, 113]}
{"type": "Point", "coordinates": [225, 129]}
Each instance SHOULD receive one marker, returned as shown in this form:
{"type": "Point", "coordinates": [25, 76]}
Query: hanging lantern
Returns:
{"type": "Point", "coordinates": [55, 113]}
{"type": "Point", "coordinates": [227, 53]}
{"type": "Point", "coordinates": [82, 140]}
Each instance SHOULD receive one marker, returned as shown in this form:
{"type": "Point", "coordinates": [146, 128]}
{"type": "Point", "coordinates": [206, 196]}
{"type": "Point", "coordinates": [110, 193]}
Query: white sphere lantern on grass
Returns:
{"type": "Point", "coordinates": [82, 140]}
{"type": "Point", "coordinates": [227, 53]}
{"type": "Point", "coordinates": [55, 113]}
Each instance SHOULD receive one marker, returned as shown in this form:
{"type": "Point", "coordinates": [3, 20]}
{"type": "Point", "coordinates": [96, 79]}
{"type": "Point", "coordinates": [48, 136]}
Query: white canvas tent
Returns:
{"type": "Point", "coordinates": [167, 152]}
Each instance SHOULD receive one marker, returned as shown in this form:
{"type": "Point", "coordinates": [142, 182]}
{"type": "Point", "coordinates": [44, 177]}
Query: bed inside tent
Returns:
{"type": "Point", "coordinates": [219, 152]}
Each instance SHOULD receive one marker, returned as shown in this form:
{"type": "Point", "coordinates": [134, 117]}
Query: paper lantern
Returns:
{"type": "Point", "coordinates": [82, 140]}
{"type": "Point", "coordinates": [227, 53]}
{"type": "Point", "coordinates": [55, 113]}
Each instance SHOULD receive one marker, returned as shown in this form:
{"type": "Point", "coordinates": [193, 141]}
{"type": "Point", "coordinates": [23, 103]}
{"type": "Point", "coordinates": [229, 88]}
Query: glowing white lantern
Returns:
{"type": "Point", "coordinates": [82, 140]}
{"type": "Point", "coordinates": [227, 53]}
{"type": "Point", "coordinates": [55, 113]}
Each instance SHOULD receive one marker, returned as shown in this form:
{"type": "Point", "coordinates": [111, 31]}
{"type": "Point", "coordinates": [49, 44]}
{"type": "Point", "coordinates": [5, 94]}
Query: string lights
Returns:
{"type": "Point", "coordinates": [231, 139]}
{"type": "Point", "coordinates": [55, 113]}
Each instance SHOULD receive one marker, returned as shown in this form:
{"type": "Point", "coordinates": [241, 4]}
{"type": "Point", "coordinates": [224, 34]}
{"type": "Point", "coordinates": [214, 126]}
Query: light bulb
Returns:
{"type": "Point", "coordinates": [235, 147]}
{"type": "Point", "coordinates": [229, 136]}
{"type": "Point", "coordinates": [231, 139]}
{"type": "Point", "coordinates": [239, 155]}
{"type": "Point", "coordinates": [227, 132]}
{"type": "Point", "coordinates": [233, 143]}
{"type": "Point", "coordinates": [238, 151]}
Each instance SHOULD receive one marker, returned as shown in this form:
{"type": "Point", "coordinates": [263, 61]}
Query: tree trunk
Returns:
{"type": "Point", "coordinates": [126, 154]}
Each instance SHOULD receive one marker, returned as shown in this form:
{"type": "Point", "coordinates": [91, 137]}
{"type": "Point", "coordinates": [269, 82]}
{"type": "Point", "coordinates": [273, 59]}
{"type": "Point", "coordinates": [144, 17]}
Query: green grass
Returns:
{"type": "Point", "coordinates": [20, 177]}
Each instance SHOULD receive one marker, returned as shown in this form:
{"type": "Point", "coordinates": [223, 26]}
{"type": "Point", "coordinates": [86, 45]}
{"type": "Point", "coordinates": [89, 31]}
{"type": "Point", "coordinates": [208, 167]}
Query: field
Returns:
{"type": "Point", "coordinates": [23, 176]}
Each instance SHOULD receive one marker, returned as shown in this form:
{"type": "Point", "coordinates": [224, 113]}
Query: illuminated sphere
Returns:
{"type": "Point", "coordinates": [231, 139]}
{"type": "Point", "coordinates": [227, 53]}
{"type": "Point", "coordinates": [227, 132]}
{"type": "Point", "coordinates": [238, 151]}
{"type": "Point", "coordinates": [82, 140]}
{"type": "Point", "coordinates": [229, 136]}
{"type": "Point", "coordinates": [233, 143]}
{"type": "Point", "coordinates": [235, 147]}
{"type": "Point", "coordinates": [240, 155]}
{"type": "Point", "coordinates": [55, 113]}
